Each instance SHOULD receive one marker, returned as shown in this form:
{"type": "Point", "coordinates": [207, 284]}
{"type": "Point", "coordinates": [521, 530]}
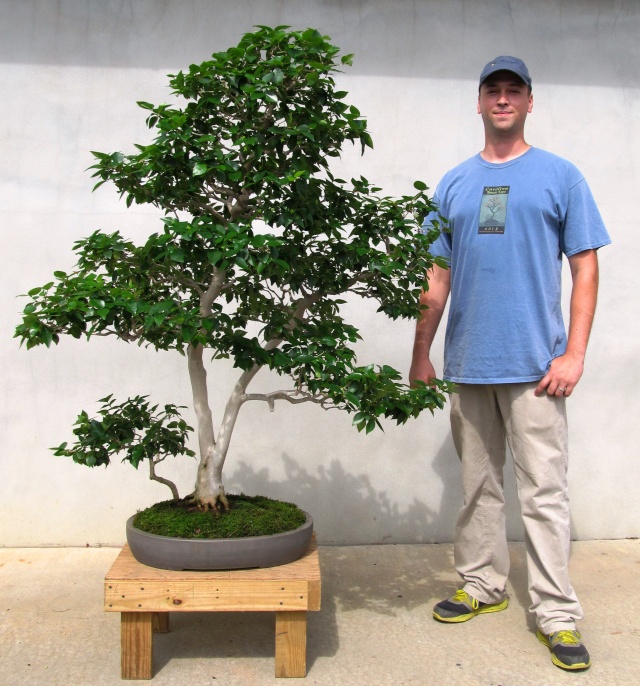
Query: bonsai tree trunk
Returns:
{"type": "Point", "coordinates": [209, 493]}
{"type": "Point", "coordinates": [209, 487]}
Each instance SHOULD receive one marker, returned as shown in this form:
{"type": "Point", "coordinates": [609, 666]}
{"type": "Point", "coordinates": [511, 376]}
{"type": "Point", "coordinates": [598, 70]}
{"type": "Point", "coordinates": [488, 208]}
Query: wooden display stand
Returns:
{"type": "Point", "coordinates": [145, 595]}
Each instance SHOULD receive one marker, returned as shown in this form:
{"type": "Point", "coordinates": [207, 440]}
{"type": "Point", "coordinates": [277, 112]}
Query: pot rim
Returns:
{"type": "Point", "coordinates": [140, 532]}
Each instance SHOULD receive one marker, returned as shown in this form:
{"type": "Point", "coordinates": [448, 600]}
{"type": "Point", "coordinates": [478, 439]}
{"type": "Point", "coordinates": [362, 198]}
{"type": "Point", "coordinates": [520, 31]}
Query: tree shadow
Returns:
{"type": "Point", "coordinates": [340, 501]}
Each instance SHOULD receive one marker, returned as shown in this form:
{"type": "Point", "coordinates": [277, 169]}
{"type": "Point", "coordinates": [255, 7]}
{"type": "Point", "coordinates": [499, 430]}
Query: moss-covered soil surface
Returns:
{"type": "Point", "coordinates": [247, 516]}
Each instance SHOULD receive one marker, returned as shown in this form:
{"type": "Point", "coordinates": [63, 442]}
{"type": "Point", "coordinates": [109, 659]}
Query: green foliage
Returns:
{"type": "Point", "coordinates": [132, 428]}
{"type": "Point", "coordinates": [258, 235]}
{"type": "Point", "coordinates": [247, 516]}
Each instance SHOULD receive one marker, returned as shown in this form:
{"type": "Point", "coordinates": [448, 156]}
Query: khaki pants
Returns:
{"type": "Point", "coordinates": [482, 418]}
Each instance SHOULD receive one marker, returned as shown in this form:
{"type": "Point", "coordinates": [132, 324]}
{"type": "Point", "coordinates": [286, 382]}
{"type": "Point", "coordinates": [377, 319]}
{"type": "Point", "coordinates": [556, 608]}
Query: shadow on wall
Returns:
{"type": "Point", "coordinates": [148, 34]}
{"type": "Point", "coordinates": [347, 504]}
{"type": "Point", "coordinates": [343, 502]}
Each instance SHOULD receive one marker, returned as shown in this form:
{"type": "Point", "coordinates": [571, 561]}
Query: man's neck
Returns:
{"type": "Point", "coordinates": [502, 150]}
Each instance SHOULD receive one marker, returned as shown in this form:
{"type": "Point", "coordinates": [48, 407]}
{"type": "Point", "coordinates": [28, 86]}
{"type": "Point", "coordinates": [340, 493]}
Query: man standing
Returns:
{"type": "Point", "coordinates": [513, 210]}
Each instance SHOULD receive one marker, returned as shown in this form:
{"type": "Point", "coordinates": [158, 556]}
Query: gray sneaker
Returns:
{"type": "Point", "coordinates": [462, 607]}
{"type": "Point", "coordinates": [567, 649]}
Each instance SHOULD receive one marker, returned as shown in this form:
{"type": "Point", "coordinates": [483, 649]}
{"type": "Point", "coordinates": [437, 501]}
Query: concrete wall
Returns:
{"type": "Point", "coordinates": [71, 72]}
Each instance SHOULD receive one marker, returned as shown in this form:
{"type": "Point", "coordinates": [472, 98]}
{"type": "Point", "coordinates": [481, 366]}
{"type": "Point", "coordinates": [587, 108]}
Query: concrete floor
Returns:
{"type": "Point", "coordinates": [375, 626]}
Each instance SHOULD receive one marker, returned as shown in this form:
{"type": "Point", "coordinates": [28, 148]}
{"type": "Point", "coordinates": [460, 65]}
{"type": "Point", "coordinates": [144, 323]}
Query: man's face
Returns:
{"type": "Point", "coordinates": [504, 102]}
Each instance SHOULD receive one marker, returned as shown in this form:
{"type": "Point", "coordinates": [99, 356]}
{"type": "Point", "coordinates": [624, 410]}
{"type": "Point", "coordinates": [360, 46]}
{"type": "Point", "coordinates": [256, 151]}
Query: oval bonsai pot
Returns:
{"type": "Point", "coordinates": [177, 554]}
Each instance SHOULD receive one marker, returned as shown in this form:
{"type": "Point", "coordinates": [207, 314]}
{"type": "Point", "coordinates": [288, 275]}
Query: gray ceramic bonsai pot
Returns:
{"type": "Point", "coordinates": [221, 553]}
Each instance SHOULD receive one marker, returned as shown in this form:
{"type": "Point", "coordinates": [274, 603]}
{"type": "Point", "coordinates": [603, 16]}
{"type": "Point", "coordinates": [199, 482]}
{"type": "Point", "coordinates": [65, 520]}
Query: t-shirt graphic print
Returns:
{"type": "Point", "coordinates": [493, 210]}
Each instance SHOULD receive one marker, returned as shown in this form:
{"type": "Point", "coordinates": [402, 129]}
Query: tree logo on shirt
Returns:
{"type": "Point", "coordinates": [493, 210]}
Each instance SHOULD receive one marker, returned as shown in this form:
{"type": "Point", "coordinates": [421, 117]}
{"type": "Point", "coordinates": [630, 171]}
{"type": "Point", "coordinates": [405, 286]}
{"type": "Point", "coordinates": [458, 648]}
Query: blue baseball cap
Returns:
{"type": "Point", "coordinates": [506, 63]}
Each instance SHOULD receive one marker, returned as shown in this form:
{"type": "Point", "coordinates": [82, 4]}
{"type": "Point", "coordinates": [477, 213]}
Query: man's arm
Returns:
{"type": "Point", "coordinates": [566, 370]}
{"type": "Point", "coordinates": [435, 299]}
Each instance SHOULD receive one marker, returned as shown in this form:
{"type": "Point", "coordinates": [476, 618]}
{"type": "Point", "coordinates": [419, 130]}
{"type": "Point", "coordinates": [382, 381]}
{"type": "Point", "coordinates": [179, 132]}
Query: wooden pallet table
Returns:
{"type": "Point", "coordinates": [145, 596]}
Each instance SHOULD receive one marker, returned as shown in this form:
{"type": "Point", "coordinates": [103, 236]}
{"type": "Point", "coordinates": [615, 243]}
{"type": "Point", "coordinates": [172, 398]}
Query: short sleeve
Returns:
{"type": "Point", "coordinates": [583, 226]}
{"type": "Point", "coordinates": [441, 247]}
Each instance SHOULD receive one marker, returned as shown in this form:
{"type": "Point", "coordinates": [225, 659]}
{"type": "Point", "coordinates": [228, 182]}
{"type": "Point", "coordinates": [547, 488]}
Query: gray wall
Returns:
{"type": "Point", "coordinates": [71, 73]}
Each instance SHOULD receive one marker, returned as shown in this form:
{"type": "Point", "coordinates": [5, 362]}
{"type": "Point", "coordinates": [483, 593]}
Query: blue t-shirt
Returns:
{"type": "Point", "coordinates": [510, 224]}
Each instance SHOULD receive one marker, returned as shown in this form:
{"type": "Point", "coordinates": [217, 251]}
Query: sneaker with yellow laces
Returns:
{"type": "Point", "coordinates": [567, 649]}
{"type": "Point", "coordinates": [463, 607]}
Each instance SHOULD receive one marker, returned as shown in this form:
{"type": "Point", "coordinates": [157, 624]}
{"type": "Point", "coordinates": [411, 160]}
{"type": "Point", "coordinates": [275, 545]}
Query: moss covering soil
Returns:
{"type": "Point", "coordinates": [247, 516]}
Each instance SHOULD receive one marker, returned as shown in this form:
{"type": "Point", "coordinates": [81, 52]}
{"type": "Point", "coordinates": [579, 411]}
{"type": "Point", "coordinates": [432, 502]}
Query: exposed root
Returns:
{"type": "Point", "coordinates": [215, 503]}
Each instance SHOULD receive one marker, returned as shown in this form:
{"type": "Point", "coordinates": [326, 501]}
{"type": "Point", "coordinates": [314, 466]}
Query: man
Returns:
{"type": "Point", "coordinates": [513, 210]}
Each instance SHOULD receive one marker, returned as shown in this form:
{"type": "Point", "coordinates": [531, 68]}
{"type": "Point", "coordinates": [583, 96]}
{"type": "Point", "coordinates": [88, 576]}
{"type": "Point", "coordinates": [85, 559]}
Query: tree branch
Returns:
{"type": "Point", "coordinates": [214, 290]}
{"type": "Point", "coordinates": [167, 482]}
{"type": "Point", "coordinates": [294, 397]}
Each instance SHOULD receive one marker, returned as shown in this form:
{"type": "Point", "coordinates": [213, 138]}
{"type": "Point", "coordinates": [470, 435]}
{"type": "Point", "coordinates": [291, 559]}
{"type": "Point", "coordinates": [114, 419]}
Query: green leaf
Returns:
{"type": "Point", "coordinates": [420, 185]}
{"type": "Point", "coordinates": [178, 255]}
{"type": "Point", "coordinates": [47, 337]}
{"type": "Point", "coordinates": [199, 169]}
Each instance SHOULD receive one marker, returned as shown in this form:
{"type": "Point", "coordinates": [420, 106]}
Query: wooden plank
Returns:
{"type": "Point", "coordinates": [205, 595]}
{"type": "Point", "coordinates": [136, 645]}
{"type": "Point", "coordinates": [315, 595]}
{"type": "Point", "coordinates": [291, 644]}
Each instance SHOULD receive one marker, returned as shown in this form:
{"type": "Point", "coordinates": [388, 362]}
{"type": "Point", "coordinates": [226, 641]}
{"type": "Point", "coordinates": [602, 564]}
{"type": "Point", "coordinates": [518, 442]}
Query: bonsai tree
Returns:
{"type": "Point", "coordinates": [258, 247]}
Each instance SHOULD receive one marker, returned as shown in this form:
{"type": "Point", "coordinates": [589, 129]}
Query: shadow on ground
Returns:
{"type": "Point", "coordinates": [354, 578]}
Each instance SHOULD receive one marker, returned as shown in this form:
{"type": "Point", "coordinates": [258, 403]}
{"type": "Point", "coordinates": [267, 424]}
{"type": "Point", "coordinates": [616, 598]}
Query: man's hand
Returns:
{"type": "Point", "coordinates": [421, 370]}
{"type": "Point", "coordinates": [563, 375]}
{"type": "Point", "coordinates": [565, 371]}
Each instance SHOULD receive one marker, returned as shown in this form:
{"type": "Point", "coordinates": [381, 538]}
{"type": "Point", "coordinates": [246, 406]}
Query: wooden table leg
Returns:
{"type": "Point", "coordinates": [136, 635]}
{"type": "Point", "coordinates": [291, 644]}
{"type": "Point", "coordinates": [160, 622]}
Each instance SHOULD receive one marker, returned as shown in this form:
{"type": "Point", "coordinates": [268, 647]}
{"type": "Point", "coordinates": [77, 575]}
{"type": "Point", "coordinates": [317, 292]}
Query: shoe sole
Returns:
{"type": "Point", "coordinates": [558, 663]}
{"type": "Point", "coordinates": [481, 611]}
